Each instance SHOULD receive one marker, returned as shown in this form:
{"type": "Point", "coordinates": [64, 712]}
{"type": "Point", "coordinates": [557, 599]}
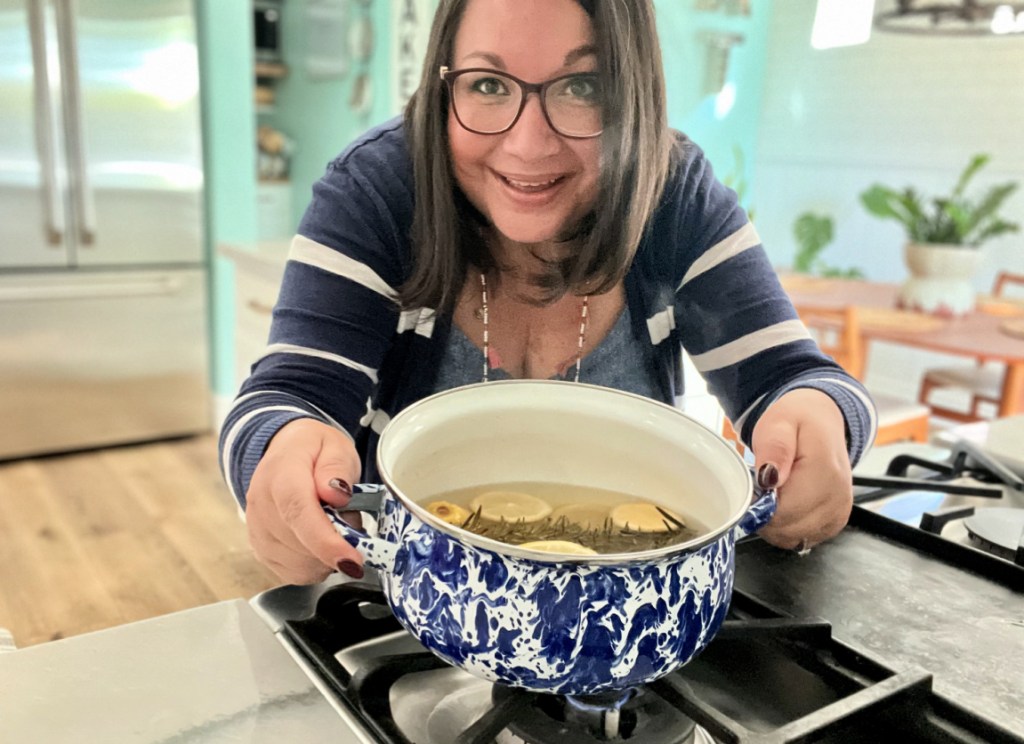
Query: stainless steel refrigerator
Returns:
{"type": "Point", "coordinates": [103, 278]}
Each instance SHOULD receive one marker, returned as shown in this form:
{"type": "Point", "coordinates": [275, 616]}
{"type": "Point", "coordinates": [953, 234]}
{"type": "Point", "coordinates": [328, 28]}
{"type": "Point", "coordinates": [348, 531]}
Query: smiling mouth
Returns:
{"type": "Point", "coordinates": [531, 187]}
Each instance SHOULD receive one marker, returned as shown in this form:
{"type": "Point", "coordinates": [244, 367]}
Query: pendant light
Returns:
{"type": "Point", "coordinates": [953, 18]}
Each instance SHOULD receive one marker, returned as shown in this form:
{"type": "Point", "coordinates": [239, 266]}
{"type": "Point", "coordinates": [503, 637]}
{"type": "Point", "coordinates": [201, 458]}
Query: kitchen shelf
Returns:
{"type": "Point", "coordinates": [270, 70]}
{"type": "Point", "coordinates": [264, 95]}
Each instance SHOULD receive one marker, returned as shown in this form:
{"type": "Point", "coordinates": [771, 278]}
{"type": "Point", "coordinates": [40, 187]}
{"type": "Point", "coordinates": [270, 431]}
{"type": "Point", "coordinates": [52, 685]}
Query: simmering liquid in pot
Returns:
{"type": "Point", "coordinates": [560, 518]}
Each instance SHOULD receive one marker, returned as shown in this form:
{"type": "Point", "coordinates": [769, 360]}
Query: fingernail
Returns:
{"type": "Point", "coordinates": [339, 485]}
{"type": "Point", "coordinates": [768, 476]}
{"type": "Point", "coordinates": [350, 568]}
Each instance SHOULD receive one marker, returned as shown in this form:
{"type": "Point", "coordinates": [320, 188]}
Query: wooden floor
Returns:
{"type": "Point", "coordinates": [93, 540]}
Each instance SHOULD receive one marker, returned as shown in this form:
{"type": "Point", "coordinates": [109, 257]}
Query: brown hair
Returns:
{"type": "Point", "coordinates": [447, 231]}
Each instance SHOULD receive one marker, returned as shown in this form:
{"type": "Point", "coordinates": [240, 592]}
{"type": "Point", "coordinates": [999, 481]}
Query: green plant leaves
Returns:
{"type": "Point", "coordinates": [953, 220]}
{"type": "Point", "coordinates": [884, 202]}
{"type": "Point", "coordinates": [813, 232]}
{"type": "Point", "coordinates": [976, 164]}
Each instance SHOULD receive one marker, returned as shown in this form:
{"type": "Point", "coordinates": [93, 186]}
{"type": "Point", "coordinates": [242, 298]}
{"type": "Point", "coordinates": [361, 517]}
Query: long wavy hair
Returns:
{"type": "Point", "coordinates": [449, 234]}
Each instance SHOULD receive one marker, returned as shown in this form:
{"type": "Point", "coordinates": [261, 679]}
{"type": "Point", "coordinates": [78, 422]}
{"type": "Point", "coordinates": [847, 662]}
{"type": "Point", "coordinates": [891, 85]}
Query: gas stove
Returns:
{"type": "Point", "coordinates": [890, 628]}
{"type": "Point", "coordinates": [908, 625]}
{"type": "Point", "coordinates": [986, 513]}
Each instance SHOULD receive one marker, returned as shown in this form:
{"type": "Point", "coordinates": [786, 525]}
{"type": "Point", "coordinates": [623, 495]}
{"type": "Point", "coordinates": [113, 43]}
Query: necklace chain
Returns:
{"type": "Point", "coordinates": [487, 333]}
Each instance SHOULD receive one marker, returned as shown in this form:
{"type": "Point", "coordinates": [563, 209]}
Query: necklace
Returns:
{"type": "Point", "coordinates": [487, 335]}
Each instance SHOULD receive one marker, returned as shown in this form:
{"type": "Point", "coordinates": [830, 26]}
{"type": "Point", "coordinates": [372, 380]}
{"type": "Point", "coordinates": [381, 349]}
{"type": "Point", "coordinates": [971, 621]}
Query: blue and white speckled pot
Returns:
{"type": "Point", "coordinates": [546, 622]}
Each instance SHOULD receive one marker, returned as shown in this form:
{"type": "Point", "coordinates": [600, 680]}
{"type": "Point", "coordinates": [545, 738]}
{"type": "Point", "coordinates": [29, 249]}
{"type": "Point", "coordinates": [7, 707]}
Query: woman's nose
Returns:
{"type": "Point", "coordinates": [532, 136]}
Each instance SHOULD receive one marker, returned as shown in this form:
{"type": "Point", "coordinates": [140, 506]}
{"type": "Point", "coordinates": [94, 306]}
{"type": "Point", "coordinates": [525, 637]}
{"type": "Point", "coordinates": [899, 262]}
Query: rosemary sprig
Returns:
{"type": "Point", "coordinates": [669, 516]}
{"type": "Point", "coordinates": [604, 539]}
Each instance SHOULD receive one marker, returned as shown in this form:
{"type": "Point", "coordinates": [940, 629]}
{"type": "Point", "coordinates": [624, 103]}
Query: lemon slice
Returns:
{"type": "Point", "coordinates": [558, 546]}
{"type": "Point", "coordinates": [642, 516]}
{"type": "Point", "coordinates": [448, 512]}
{"type": "Point", "coordinates": [587, 516]}
{"type": "Point", "coordinates": [512, 506]}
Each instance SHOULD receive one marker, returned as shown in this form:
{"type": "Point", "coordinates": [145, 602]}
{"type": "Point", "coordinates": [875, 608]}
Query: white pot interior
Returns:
{"type": "Point", "coordinates": [561, 432]}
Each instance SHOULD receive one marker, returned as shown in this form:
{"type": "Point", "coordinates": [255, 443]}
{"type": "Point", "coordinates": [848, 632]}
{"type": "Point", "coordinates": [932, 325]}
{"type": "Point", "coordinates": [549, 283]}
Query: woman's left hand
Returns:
{"type": "Point", "coordinates": [802, 436]}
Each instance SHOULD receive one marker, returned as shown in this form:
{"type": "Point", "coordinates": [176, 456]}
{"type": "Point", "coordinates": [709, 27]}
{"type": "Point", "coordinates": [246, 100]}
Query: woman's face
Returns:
{"type": "Point", "coordinates": [530, 182]}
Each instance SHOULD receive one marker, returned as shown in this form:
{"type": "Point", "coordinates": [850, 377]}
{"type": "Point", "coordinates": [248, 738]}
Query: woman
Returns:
{"type": "Point", "coordinates": [533, 216]}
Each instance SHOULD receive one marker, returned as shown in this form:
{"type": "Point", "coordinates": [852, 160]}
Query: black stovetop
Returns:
{"type": "Point", "coordinates": [885, 631]}
{"type": "Point", "coordinates": [911, 598]}
{"type": "Point", "coordinates": [765, 679]}
{"type": "Point", "coordinates": [912, 591]}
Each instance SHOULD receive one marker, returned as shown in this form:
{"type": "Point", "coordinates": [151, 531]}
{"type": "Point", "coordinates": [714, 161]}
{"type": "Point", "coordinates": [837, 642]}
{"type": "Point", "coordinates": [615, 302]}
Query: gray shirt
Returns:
{"type": "Point", "coordinates": [621, 361]}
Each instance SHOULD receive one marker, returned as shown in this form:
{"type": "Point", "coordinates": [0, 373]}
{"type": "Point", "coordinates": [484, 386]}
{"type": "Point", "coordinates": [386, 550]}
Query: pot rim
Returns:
{"type": "Point", "coordinates": [507, 549]}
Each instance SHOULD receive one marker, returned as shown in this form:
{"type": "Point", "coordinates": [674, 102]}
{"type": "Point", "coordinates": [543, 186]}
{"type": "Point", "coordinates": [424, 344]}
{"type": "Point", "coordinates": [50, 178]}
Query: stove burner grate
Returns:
{"type": "Point", "coordinates": [840, 693]}
{"type": "Point", "coordinates": [638, 716]}
{"type": "Point", "coordinates": [1000, 531]}
{"type": "Point", "coordinates": [997, 533]}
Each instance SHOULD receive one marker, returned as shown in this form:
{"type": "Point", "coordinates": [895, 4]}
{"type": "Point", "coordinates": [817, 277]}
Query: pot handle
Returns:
{"type": "Point", "coordinates": [379, 554]}
{"type": "Point", "coordinates": [758, 515]}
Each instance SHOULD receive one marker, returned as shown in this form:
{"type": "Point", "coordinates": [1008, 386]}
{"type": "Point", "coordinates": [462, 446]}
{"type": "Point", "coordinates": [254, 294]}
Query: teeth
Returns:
{"type": "Point", "coordinates": [529, 184]}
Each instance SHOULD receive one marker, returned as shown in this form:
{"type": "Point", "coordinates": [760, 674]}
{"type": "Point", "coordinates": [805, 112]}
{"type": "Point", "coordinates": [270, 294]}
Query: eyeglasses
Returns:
{"type": "Point", "coordinates": [490, 102]}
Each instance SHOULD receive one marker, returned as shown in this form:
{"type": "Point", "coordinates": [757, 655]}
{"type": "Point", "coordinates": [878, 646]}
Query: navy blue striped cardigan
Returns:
{"type": "Point", "coordinates": [342, 351]}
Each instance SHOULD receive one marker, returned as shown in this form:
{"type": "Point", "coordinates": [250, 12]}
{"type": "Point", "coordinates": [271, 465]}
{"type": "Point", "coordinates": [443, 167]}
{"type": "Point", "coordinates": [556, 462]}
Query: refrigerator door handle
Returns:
{"type": "Point", "coordinates": [85, 209]}
{"type": "Point", "coordinates": [164, 285]}
{"type": "Point", "coordinates": [44, 124]}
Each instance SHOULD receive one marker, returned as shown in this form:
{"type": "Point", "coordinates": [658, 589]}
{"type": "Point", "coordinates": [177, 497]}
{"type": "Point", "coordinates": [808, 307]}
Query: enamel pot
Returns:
{"type": "Point", "coordinates": [557, 623]}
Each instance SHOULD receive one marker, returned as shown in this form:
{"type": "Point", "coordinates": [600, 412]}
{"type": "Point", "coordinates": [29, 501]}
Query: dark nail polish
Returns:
{"type": "Point", "coordinates": [768, 476]}
{"type": "Point", "coordinates": [350, 568]}
{"type": "Point", "coordinates": [339, 485]}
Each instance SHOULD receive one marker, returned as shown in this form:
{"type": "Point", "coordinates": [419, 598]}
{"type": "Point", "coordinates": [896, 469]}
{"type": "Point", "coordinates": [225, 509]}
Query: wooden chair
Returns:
{"type": "Point", "coordinates": [983, 382]}
{"type": "Point", "coordinates": [837, 333]}
{"type": "Point", "coordinates": [731, 435]}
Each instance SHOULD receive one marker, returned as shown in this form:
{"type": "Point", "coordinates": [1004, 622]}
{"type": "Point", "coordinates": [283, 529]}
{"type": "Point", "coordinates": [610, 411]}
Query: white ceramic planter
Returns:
{"type": "Point", "coordinates": [941, 278]}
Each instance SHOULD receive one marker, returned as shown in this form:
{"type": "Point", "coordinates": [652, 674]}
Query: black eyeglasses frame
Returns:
{"type": "Point", "coordinates": [448, 76]}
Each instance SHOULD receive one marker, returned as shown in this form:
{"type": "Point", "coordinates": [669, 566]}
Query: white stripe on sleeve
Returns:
{"type": "Point", "coordinates": [660, 325]}
{"type": "Point", "coordinates": [376, 419]}
{"type": "Point", "coordinates": [422, 319]}
{"type": "Point", "coordinates": [749, 345]}
{"type": "Point", "coordinates": [306, 251]}
{"type": "Point", "coordinates": [868, 405]}
{"type": "Point", "coordinates": [744, 238]}
{"type": "Point", "coordinates": [305, 351]}
{"type": "Point", "coordinates": [229, 440]}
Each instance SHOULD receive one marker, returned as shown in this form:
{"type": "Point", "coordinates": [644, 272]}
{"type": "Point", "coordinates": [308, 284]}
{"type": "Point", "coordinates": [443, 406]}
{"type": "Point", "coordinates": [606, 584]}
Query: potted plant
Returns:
{"type": "Point", "coordinates": [943, 238]}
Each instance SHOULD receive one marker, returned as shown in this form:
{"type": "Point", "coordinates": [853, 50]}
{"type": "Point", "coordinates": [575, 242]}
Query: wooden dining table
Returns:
{"type": "Point", "coordinates": [992, 332]}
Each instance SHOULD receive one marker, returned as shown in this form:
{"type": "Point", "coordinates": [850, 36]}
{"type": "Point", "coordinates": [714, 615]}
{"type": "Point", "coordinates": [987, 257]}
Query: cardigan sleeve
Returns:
{"type": "Point", "coordinates": [336, 314]}
{"type": "Point", "coordinates": [736, 322]}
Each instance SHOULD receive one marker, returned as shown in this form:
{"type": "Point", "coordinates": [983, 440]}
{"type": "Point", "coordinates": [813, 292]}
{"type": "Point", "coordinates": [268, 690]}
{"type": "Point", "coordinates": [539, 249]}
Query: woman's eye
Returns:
{"type": "Point", "coordinates": [490, 86]}
{"type": "Point", "coordinates": [578, 90]}
{"type": "Point", "coordinates": [583, 86]}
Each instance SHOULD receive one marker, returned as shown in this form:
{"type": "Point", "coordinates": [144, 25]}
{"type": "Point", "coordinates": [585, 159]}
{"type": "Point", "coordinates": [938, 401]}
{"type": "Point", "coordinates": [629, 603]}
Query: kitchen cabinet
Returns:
{"type": "Point", "coordinates": [258, 272]}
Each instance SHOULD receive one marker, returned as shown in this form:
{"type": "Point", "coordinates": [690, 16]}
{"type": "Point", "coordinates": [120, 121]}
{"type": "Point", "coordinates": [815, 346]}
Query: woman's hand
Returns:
{"type": "Point", "coordinates": [800, 448]}
{"type": "Point", "coordinates": [306, 462]}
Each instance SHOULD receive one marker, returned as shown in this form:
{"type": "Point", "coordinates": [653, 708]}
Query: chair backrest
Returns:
{"type": "Point", "coordinates": [1004, 279]}
{"type": "Point", "coordinates": [837, 333]}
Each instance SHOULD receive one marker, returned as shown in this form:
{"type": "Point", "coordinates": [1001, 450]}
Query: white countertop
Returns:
{"type": "Point", "coordinates": [1002, 438]}
{"type": "Point", "coordinates": [213, 674]}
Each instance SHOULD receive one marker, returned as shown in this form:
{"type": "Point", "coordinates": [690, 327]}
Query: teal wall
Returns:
{"type": "Point", "coordinates": [315, 113]}
{"type": "Point", "coordinates": [684, 32]}
{"type": "Point", "coordinates": [225, 58]}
